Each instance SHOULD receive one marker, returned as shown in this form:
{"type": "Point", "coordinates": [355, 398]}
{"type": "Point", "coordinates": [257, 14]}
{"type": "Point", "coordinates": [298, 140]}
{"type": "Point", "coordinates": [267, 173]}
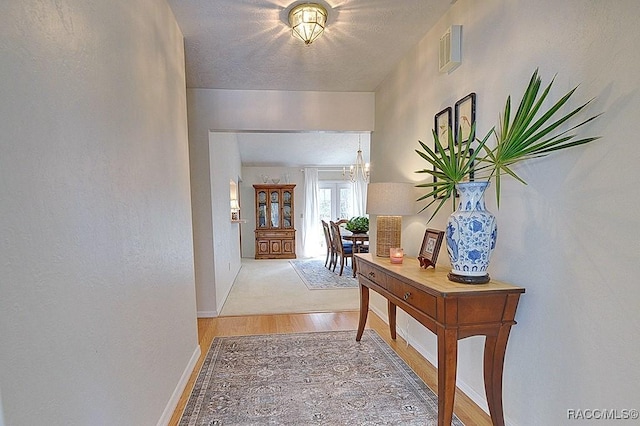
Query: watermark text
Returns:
{"type": "Point", "coordinates": [602, 414]}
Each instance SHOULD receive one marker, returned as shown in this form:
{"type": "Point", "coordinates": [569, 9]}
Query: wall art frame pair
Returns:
{"type": "Point", "coordinates": [464, 113]}
{"type": "Point", "coordinates": [459, 120]}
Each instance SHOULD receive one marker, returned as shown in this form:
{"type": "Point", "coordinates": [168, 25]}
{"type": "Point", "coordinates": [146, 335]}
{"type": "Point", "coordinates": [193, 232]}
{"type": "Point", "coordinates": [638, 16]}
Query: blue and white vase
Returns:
{"type": "Point", "coordinates": [471, 235]}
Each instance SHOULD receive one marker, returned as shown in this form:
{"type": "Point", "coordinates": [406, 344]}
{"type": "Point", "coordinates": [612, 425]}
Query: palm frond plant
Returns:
{"type": "Point", "coordinates": [532, 132]}
{"type": "Point", "coordinates": [449, 166]}
{"type": "Point", "coordinates": [525, 137]}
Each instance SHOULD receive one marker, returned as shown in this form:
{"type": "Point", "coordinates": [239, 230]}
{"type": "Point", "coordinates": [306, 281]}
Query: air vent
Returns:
{"type": "Point", "coordinates": [450, 49]}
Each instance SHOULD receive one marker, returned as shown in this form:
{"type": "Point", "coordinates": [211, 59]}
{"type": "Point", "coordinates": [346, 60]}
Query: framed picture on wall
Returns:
{"type": "Point", "coordinates": [465, 116]}
{"type": "Point", "coordinates": [443, 123]}
{"type": "Point", "coordinates": [435, 179]}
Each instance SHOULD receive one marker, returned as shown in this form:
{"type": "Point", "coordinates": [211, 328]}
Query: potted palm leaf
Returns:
{"type": "Point", "coordinates": [465, 168]}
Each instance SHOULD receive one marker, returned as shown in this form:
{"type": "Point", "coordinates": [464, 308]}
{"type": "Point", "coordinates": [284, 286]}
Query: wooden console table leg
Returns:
{"type": "Point", "coordinates": [494, 350]}
{"type": "Point", "coordinates": [364, 310]}
{"type": "Point", "coordinates": [391, 311]}
{"type": "Point", "coordinates": [447, 364]}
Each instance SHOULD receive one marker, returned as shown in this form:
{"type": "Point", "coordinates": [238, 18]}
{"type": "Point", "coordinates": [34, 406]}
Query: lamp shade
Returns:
{"type": "Point", "coordinates": [391, 199]}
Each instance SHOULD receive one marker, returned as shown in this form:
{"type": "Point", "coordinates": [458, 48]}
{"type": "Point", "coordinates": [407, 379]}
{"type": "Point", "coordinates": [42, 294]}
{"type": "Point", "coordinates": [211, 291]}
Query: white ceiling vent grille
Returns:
{"type": "Point", "coordinates": [450, 49]}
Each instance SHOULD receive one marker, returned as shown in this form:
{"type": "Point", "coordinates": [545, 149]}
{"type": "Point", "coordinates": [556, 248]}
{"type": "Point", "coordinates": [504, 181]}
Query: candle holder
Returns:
{"type": "Point", "coordinates": [396, 254]}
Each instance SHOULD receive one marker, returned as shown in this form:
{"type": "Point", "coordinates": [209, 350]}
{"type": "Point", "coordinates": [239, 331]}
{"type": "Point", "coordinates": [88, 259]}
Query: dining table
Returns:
{"type": "Point", "coordinates": [358, 240]}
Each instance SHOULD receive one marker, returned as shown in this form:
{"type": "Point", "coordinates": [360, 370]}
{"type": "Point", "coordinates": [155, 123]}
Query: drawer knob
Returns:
{"type": "Point", "coordinates": [372, 274]}
{"type": "Point", "coordinates": [406, 296]}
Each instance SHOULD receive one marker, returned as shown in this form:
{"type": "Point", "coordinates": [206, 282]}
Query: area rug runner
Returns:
{"type": "Point", "coordinates": [317, 277]}
{"type": "Point", "coordinates": [322, 378]}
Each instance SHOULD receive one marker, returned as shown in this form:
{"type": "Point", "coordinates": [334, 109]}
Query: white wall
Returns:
{"type": "Point", "coordinates": [273, 110]}
{"type": "Point", "coordinates": [217, 111]}
{"type": "Point", "coordinates": [569, 237]}
{"type": "Point", "coordinates": [97, 305]}
{"type": "Point", "coordinates": [201, 210]}
{"type": "Point", "coordinates": [224, 158]}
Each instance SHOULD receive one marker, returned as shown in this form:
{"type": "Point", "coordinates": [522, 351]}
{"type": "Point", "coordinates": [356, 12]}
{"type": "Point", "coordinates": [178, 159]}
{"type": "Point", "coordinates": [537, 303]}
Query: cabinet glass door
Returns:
{"type": "Point", "coordinates": [275, 209]}
{"type": "Point", "coordinates": [287, 220]}
{"type": "Point", "coordinates": [262, 209]}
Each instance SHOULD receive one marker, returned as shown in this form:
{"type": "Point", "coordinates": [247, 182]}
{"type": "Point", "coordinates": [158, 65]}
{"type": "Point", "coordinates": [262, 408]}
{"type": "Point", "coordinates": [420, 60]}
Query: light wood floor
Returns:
{"type": "Point", "coordinates": [208, 328]}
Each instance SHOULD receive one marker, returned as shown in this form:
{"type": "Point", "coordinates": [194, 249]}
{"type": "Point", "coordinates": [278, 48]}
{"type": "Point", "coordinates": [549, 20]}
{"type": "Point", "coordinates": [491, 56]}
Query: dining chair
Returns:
{"type": "Point", "coordinates": [327, 240]}
{"type": "Point", "coordinates": [364, 247]}
{"type": "Point", "coordinates": [337, 228]}
{"type": "Point", "coordinates": [343, 249]}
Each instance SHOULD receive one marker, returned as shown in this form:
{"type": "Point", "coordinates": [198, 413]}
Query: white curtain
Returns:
{"type": "Point", "coordinates": [359, 194]}
{"type": "Point", "coordinates": [311, 227]}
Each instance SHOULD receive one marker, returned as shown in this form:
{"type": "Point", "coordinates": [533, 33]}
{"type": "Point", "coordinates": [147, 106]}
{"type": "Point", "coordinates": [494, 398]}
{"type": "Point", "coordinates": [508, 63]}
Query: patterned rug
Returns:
{"type": "Point", "coordinates": [317, 277]}
{"type": "Point", "coordinates": [323, 378]}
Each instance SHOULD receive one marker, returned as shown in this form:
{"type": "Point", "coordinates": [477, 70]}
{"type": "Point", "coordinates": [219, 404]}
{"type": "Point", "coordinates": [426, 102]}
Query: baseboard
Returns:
{"type": "Point", "coordinates": [379, 313]}
{"type": "Point", "coordinates": [177, 393]}
{"type": "Point", "coordinates": [1, 414]}
{"type": "Point", "coordinates": [208, 314]}
{"type": "Point", "coordinates": [222, 298]}
{"type": "Point", "coordinates": [479, 400]}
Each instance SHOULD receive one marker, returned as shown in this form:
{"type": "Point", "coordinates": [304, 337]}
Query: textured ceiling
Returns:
{"type": "Point", "coordinates": [302, 149]}
{"type": "Point", "coordinates": [247, 45]}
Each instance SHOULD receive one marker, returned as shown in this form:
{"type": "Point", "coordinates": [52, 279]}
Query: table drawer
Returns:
{"type": "Point", "coordinates": [413, 296]}
{"type": "Point", "coordinates": [372, 273]}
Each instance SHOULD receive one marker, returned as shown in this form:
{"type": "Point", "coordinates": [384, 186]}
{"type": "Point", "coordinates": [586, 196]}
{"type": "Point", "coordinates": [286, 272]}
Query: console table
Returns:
{"type": "Point", "coordinates": [452, 311]}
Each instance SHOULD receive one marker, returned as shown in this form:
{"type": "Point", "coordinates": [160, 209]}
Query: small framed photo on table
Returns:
{"type": "Point", "coordinates": [430, 248]}
{"type": "Point", "coordinates": [465, 111]}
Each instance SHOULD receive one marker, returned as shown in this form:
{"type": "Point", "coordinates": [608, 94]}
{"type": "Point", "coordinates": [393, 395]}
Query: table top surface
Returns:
{"type": "Point", "coordinates": [352, 236]}
{"type": "Point", "coordinates": [435, 279]}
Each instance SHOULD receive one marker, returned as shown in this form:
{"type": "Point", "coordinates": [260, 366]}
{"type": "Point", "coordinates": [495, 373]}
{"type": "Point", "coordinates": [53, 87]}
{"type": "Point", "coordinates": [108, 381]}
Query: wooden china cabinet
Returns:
{"type": "Point", "coordinates": [275, 233]}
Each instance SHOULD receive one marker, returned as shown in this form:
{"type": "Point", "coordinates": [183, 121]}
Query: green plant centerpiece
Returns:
{"type": "Point", "coordinates": [358, 225]}
{"type": "Point", "coordinates": [465, 168]}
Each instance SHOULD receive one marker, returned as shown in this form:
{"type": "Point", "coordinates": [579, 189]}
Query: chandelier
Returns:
{"type": "Point", "coordinates": [307, 21]}
{"type": "Point", "coordinates": [358, 171]}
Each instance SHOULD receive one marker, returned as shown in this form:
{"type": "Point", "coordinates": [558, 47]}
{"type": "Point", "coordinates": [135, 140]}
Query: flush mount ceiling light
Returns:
{"type": "Point", "coordinates": [307, 21]}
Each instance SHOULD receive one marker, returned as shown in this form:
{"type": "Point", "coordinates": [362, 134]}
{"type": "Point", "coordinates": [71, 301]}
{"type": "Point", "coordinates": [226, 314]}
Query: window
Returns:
{"type": "Point", "coordinates": [334, 199]}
